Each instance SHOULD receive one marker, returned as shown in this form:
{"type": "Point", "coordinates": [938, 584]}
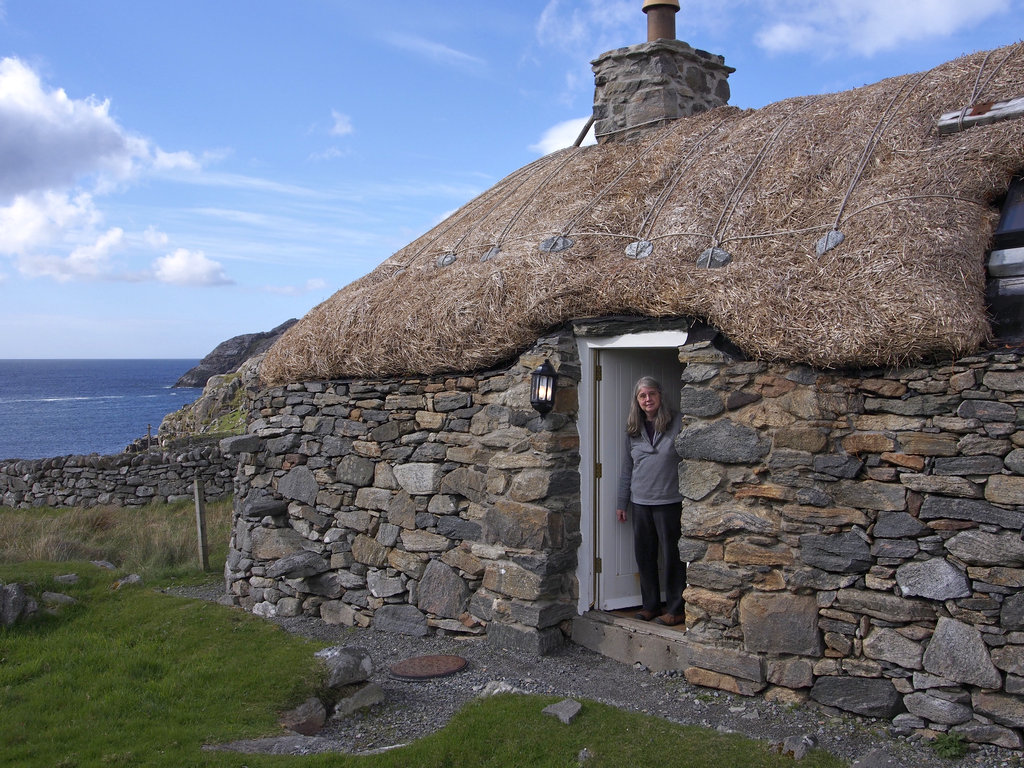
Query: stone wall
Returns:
{"type": "Point", "coordinates": [417, 504]}
{"type": "Point", "coordinates": [639, 87]}
{"type": "Point", "coordinates": [856, 537]}
{"type": "Point", "coordinates": [121, 480]}
{"type": "Point", "coordinates": [853, 537]}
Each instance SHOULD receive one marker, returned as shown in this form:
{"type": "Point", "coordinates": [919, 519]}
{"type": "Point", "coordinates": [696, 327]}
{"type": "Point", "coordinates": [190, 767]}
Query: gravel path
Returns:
{"type": "Point", "coordinates": [415, 708]}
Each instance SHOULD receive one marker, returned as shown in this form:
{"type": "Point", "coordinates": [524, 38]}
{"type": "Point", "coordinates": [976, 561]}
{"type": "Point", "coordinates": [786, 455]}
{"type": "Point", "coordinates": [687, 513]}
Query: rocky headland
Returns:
{"type": "Point", "coordinates": [229, 355]}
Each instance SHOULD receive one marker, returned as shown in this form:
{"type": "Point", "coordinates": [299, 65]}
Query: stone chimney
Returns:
{"type": "Point", "coordinates": [644, 86]}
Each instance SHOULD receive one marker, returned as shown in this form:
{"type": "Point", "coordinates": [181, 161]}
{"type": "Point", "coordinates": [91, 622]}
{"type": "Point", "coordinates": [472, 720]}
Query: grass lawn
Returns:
{"type": "Point", "coordinates": [137, 677]}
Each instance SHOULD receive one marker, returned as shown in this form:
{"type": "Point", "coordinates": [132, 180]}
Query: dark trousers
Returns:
{"type": "Point", "coordinates": [658, 527]}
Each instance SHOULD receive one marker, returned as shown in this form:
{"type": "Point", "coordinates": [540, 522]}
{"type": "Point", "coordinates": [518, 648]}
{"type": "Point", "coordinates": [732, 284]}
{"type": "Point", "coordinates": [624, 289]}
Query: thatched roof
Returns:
{"type": "Point", "coordinates": [907, 281]}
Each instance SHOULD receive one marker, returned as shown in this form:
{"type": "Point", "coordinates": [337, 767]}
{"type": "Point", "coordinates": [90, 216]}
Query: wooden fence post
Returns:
{"type": "Point", "coordinates": [204, 558]}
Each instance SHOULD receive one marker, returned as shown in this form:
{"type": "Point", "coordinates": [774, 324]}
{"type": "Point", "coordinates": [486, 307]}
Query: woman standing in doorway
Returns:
{"type": "Point", "coordinates": [650, 482]}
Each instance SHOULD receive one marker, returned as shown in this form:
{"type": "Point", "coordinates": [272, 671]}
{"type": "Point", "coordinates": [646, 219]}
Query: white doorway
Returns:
{"type": "Point", "coordinates": [606, 571]}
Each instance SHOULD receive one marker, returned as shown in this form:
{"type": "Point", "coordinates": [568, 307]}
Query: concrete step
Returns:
{"type": "Point", "coordinates": [661, 649]}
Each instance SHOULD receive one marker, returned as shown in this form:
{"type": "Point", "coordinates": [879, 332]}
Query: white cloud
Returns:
{"type": "Point", "coordinates": [38, 220]}
{"type": "Point", "coordinates": [866, 27]}
{"type": "Point", "coordinates": [342, 124]}
{"type": "Point", "coordinates": [563, 135]}
{"type": "Point", "coordinates": [154, 237]}
{"type": "Point", "coordinates": [184, 267]}
{"type": "Point", "coordinates": [93, 260]}
{"type": "Point", "coordinates": [59, 155]}
{"type": "Point", "coordinates": [435, 51]}
{"type": "Point", "coordinates": [48, 140]}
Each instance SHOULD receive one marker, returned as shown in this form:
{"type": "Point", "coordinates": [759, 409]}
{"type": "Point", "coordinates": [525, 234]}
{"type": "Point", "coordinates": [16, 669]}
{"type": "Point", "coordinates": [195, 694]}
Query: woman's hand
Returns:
{"type": "Point", "coordinates": [620, 515]}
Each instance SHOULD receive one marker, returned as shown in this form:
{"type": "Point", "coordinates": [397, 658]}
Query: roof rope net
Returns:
{"type": "Point", "coordinates": [907, 282]}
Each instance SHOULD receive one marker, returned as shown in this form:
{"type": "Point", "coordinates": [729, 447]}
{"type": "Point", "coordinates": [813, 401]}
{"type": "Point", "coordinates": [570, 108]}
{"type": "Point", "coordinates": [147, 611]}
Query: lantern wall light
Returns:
{"type": "Point", "coordinates": [542, 387]}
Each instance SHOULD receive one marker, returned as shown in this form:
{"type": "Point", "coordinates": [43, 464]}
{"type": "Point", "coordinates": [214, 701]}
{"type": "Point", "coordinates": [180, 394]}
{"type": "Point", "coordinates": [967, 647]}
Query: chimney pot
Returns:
{"type": "Point", "coordinates": [661, 19]}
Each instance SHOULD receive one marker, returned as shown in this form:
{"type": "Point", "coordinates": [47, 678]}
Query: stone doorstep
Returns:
{"type": "Point", "coordinates": [629, 641]}
{"type": "Point", "coordinates": [661, 649]}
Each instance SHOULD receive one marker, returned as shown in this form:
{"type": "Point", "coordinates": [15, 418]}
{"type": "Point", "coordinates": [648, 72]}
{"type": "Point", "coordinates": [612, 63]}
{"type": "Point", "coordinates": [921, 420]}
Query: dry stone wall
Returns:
{"type": "Point", "coordinates": [855, 537]}
{"type": "Point", "coordinates": [121, 480]}
{"type": "Point", "coordinates": [416, 505]}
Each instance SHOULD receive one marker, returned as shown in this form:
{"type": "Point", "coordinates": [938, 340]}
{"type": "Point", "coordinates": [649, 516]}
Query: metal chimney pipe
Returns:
{"type": "Point", "coordinates": [661, 19]}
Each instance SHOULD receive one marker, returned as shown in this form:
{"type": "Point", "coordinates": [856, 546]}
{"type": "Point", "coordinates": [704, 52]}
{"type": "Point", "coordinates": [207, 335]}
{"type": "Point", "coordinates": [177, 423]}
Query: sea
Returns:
{"type": "Point", "coordinates": [61, 407]}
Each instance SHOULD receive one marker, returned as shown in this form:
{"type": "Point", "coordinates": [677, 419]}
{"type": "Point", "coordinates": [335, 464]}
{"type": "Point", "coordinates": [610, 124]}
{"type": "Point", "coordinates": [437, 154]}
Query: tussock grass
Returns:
{"type": "Point", "coordinates": [136, 676]}
{"type": "Point", "coordinates": [157, 539]}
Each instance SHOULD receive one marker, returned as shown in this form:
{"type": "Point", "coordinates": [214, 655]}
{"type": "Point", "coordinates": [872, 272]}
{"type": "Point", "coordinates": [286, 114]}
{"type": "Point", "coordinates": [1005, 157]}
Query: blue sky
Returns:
{"type": "Point", "coordinates": [176, 173]}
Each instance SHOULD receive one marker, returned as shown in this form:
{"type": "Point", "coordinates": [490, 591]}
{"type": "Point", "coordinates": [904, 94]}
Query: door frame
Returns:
{"type": "Point", "coordinates": [587, 347]}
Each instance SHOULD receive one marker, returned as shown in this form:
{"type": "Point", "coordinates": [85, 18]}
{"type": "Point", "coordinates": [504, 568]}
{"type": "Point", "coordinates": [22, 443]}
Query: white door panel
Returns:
{"type": "Point", "coordinates": [618, 584]}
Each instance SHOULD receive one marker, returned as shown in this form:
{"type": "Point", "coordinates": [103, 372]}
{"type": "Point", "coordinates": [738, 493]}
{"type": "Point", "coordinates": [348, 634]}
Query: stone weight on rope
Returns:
{"type": "Point", "coordinates": [446, 259]}
{"type": "Point", "coordinates": [713, 258]}
{"type": "Point", "coordinates": [641, 249]}
{"type": "Point", "coordinates": [556, 244]}
{"type": "Point", "coordinates": [490, 253]}
{"type": "Point", "coordinates": [829, 241]}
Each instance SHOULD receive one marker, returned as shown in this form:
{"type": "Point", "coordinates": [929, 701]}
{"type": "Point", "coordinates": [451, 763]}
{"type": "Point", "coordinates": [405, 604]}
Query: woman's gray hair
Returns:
{"type": "Point", "coordinates": [635, 419]}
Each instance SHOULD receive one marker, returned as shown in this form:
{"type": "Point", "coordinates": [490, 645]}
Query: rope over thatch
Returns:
{"type": "Point", "coordinates": [763, 187]}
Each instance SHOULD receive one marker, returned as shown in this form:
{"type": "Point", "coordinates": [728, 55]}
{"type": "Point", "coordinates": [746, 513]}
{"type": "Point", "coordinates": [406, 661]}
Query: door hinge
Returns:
{"type": "Point", "coordinates": [597, 373]}
{"type": "Point", "coordinates": [597, 565]}
{"type": "Point", "coordinates": [597, 470]}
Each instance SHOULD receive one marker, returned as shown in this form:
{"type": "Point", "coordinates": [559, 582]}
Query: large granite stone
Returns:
{"type": "Point", "coordinates": [982, 548]}
{"type": "Point", "coordinates": [400, 619]}
{"type": "Point", "coordinates": [968, 465]}
{"type": "Point", "coordinates": [298, 565]}
{"type": "Point", "coordinates": [454, 527]}
{"type": "Point", "coordinates": [957, 652]}
{"type": "Point", "coordinates": [697, 479]}
{"type": "Point", "coordinates": [355, 470]}
{"type": "Point", "coordinates": [525, 639]}
{"type": "Point", "coordinates": [977, 511]}
{"type": "Point", "coordinates": [884, 606]}
{"type": "Point", "coordinates": [698, 401]}
{"type": "Point", "coordinates": [897, 525]}
{"type": "Point", "coordinates": [276, 543]}
{"type": "Point", "coordinates": [522, 526]}
{"type": "Point", "coordinates": [1005, 710]}
{"type": "Point", "coordinates": [868, 494]}
{"type": "Point", "coordinates": [299, 484]}
{"type": "Point", "coordinates": [382, 585]}
{"type": "Point", "coordinates": [986, 410]}
{"type": "Point", "coordinates": [840, 552]}
{"type": "Point", "coordinates": [369, 551]}
{"type": "Point", "coordinates": [466, 482]}
{"type": "Point", "coordinates": [871, 697]}
{"type": "Point", "coordinates": [418, 479]}
{"type": "Point", "coordinates": [935, 578]}
{"type": "Point", "coordinates": [442, 591]}
{"type": "Point", "coordinates": [346, 665]}
{"type": "Point", "coordinates": [1004, 489]}
{"type": "Point", "coordinates": [240, 444]}
{"type": "Point", "coordinates": [1011, 616]}
{"type": "Point", "coordinates": [722, 441]}
{"type": "Point", "coordinates": [259, 505]}
{"type": "Point", "coordinates": [937, 710]}
{"type": "Point", "coordinates": [780, 624]}
{"type": "Point", "coordinates": [885, 644]}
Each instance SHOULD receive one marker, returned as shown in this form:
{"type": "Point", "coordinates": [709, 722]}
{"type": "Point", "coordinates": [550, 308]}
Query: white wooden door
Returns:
{"type": "Point", "coordinates": [618, 583]}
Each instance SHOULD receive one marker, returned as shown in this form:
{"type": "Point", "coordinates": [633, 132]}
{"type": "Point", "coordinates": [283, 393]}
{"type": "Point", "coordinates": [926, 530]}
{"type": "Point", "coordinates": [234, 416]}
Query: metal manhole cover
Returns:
{"type": "Point", "coordinates": [426, 667]}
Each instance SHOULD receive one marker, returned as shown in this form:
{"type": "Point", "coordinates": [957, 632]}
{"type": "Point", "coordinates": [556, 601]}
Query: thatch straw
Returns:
{"type": "Point", "coordinates": [765, 185]}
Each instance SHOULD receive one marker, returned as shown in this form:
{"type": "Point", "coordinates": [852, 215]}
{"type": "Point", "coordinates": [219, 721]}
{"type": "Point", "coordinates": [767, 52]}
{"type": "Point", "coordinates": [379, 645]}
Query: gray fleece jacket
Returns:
{"type": "Point", "coordinates": [650, 470]}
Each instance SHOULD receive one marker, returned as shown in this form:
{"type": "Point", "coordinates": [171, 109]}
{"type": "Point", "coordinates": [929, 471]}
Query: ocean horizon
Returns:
{"type": "Point", "coordinates": [82, 406]}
